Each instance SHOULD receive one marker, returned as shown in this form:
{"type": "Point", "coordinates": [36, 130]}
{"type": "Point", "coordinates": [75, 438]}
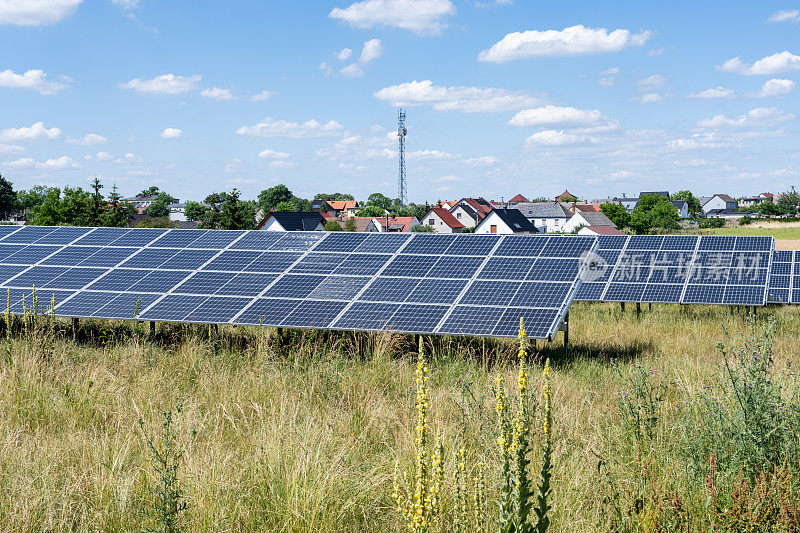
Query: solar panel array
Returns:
{"type": "Point", "coordinates": [416, 283]}
{"type": "Point", "coordinates": [784, 278]}
{"type": "Point", "coordinates": [686, 269]}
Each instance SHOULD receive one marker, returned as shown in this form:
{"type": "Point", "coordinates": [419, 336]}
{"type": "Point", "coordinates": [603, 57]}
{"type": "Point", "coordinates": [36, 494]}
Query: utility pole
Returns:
{"type": "Point", "coordinates": [402, 192]}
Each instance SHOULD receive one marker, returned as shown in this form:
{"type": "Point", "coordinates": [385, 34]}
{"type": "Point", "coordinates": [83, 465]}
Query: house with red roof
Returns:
{"type": "Point", "coordinates": [442, 221]}
{"type": "Point", "coordinates": [518, 199]}
{"type": "Point", "coordinates": [565, 196]}
{"type": "Point", "coordinates": [392, 224]}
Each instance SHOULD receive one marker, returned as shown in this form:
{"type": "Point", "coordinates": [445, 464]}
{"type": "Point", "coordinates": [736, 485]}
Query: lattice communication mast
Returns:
{"type": "Point", "coordinates": [402, 191]}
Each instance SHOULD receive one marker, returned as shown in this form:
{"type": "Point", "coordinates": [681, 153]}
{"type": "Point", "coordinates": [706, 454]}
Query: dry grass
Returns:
{"type": "Point", "coordinates": [305, 437]}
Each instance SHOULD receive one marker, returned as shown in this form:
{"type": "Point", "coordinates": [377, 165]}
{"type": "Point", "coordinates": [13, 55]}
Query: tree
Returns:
{"type": "Point", "coordinates": [159, 207]}
{"type": "Point", "coordinates": [8, 198]}
{"type": "Point", "coordinates": [117, 214]}
{"type": "Point", "coordinates": [76, 207]}
{"type": "Point", "coordinates": [766, 209]}
{"type": "Point", "coordinates": [157, 222]}
{"type": "Point", "coordinates": [150, 191]}
{"type": "Point", "coordinates": [236, 213]}
{"type": "Point", "coordinates": [48, 212]}
{"type": "Point", "coordinates": [539, 200]}
{"type": "Point", "coordinates": [694, 204]}
{"type": "Point", "coordinates": [350, 225]}
{"type": "Point", "coordinates": [414, 210]}
{"type": "Point", "coordinates": [370, 211]}
{"type": "Point", "coordinates": [654, 211]}
{"type": "Point", "coordinates": [788, 202]}
{"type": "Point", "coordinates": [378, 200]}
{"type": "Point", "coordinates": [269, 198]}
{"type": "Point", "coordinates": [29, 200]}
{"type": "Point", "coordinates": [335, 197]}
{"type": "Point", "coordinates": [423, 228]}
{"type": "Point", "coordinates": [286, 206]}
{"type": "Point", "coordinates": [332, 225]}
{"type": "Point", "coordinates": [568, 199]}
{"type": "Point", "coordinates": [194, 210]}
{"type": "Point", "coordinates": [97, 202]}
{"type": "Point", "coordinates": [617, 214]}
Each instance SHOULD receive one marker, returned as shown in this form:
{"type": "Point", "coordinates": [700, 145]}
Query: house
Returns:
{"type": "Point", "coordinates": [548, 216]}
{"type": "Point", "coordinates": [505, 221]}
{"type": "Point", "coordinates": [574, 207]}
{"type": "Point", "coordinates": [466, 215]}
{"type": "Point", "coordinates": [588, 218]}
{"type": "Point", "coordinates": [342, 208]}
{"type": "Point", "coordinates": [292, 221]}
{"type": "Point", "coordinates": [518, 199]}
{"type": "Point", "coordinates": [448, 204]}
{"type": "Point", "coordinates": [599, 230]}
{"type": "Point", "coordinates": [142, 202]}
{"type": "Point", "coordinates": [177, 211]}
{"type": "Point", "coordinates": [682, 206]}
{"type": "Point", "coordinates": [442, 221]}
{"type": "Point", "coordinates": [565, 196]}
{"type": "Point", "coordinates": [392, 224]}
{"type": "Point", "coordinates": [628, 203]}
{"type": "Point", "coordinates": [665, 194]}
{"type": "Point", "coordinates": [479, 205]}
{"type": "Point", "coordinates": [719, 203]}
{"type": "Point", "coordinates": [756, 200]}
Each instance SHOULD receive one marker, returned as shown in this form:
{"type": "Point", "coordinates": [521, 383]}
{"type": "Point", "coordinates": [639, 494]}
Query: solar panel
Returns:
{"type": "Point", "coordinates": [681, 269]}
{"type": "Point", "coordinates": [781, 277]}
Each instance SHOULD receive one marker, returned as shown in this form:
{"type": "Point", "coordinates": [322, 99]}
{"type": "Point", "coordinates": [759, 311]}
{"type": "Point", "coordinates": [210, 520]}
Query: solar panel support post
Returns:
{"type": "Point", "coordinates": [638, 309]}
{"type": "Point", "coordinates": [622, 306]}
{"type": "Point", "coordinates": [152, 328]}
{"type": "Point", "coordinates": [566, 333]}
{"type": "Point", "coordinates": [76, 322]}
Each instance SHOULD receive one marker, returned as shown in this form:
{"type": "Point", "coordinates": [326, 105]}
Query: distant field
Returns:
{"type": "Point", "coordinates": [787, 234]}
{"type": "Point", "coordinates": [305, 436]}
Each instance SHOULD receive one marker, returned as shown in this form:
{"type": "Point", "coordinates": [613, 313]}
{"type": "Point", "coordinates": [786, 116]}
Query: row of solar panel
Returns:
{"type": "Point", "coordinates": [784, 287]}
{"type": "Point", "coordinates": [389, 243]}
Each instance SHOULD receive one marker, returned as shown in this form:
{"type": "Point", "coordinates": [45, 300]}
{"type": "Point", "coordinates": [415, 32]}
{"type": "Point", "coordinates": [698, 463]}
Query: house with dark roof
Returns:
{"type": "Point", "coordinates": [547, 216]}
{"type": "Point", "coordinates": [505, 221]}
{"type": "Point", "coordinates": [718, 204]}
{"type": "Point", "coordinates": [465, 214]}
{"type": "Point", "coordinates": [479, 205]}
{"type": "Point", "coordinates": [442, 221]}
{"type": "Point", "coordinates": [292, 221]}
{"type": "Point", "coordinates": [586, 218]}
{"type": "Point", "coordinates": [682, 206]}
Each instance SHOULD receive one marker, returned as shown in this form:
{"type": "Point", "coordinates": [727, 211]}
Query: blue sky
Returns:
{"type": "Point", "coordinates": [502, 96]}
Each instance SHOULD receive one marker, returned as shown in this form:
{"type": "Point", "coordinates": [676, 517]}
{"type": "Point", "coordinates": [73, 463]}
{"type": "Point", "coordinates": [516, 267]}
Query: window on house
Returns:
{"type": "Point", "coordinates": [458, 215]}
{"type": "Point", "coordinates": [430, 222]}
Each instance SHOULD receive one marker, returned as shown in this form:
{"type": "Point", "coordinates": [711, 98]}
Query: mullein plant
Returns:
{"type": "Point", "coordinates": [421, 509]}
{"type": "Point", "coordinates": [518, 494]}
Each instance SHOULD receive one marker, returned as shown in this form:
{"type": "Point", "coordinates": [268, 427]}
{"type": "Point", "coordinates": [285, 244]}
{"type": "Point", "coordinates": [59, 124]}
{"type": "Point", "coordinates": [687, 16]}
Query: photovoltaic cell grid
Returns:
{"type": "Point", "coordinates": [680, 269]}
{"type": "Point", "coordinates": [418, 283]}
{"type": "Point", "coordinates": [784, 278]}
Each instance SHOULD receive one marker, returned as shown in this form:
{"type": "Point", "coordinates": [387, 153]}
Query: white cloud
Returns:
{"type": "Point", "coordinates": [373, 49]}
{"type": "Point", "coordinates": [760, 116]}
{"type": "Point", "coordinates": [468, 99]}
{"type": "Point", "coordinates": [553, 115]}
{"type": "Point", "coordinates": [33, 133]}
{"type": "Point", "coordinates": [104, 156]}
{"type": "Point", "coordinates": [235, 166]}
{"type": "Point", "coordinates": [344, 55]}
{"type": "Point", "coordinates": [217, 93]}
{"type": "Point", "coordinates": [11, 149]}
{"type": "Point", "coordinates": [774, 64]}
{"type": "Point", "coordinates": [164, 84]}
{"type": "Point", "coordinates": [88, 140]}
{"type": "Point", "coordinates": [775, 87]}
{"type": "Point", "coordinates": [449, 178]}
{"type": "Point", "coordinates": [554, 138]}
{"type": "Point", "coordinates": [59, 163]}
{"type": "Point", "coordinates": [127, 4]}
{"type": "Point", "coordinates": [36, 12]}
{"type": "Point", "coordinates": [270, 127]}
{"type": "Point", "coordinates": [352, 71]}
{"type": "Point", "coordinates": [656, 52]}
{"type": "Point", "coordinates": [325, 69]}
{"type": "Point", "coordinates": [785, 16]}
{"type": "Point", "coordinates": [282, 164]}
{"type": "Point", "coordinates": [651, 98]}
{"type": "Point", "coordinates": [574, 40]}
{"type": "Point", "coordinates": [483, 161]}
{"type": "Point", "coordinates": [171, 133]}
{"type": "Point", "coordinates": [697, 141]}
{"type": "Point", "coordinates": [272, 154]}
{"type": "Point", "coordinates": [263, 95]}
{"type": "Point", "coordinates": [33, 80]}
{"type": "Point", "coordinates": [419, 16]}
{"type": "Point", "coordinates": [652, 82]}
{"type": "Point", "coordinates": [606, 82]}
{"type": "Point", "coordinates": [429, 155]}
{"type": "Point", "coordinates": [708, 94]}
{"type": "Point", "coordinates": [609, 71]}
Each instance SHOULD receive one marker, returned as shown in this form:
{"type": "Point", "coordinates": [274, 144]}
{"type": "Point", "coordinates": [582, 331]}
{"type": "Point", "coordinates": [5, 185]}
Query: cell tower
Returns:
{"type": "Point", "coordinates": [402, 192]}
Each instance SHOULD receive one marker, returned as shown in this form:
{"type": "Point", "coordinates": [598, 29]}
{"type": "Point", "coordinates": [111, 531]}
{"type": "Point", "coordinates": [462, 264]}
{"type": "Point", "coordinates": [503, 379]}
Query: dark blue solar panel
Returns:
{"type": "Point", "coordinates": [385, 243]}
{"type": "Point", "coordinates": [6, 229]}
{"type": "Point", "coordinates": [188, 259]}
{"type": "Point", "coordinates": [537, 322]}
{"type": "Point", "coordinates": [341, 242]}
{"type": "Point", "coordinates": [418, 318]}
{"type": "Point", "coordinates": [204, 283]}
{"type": "Point", "coordinates": [75, 278]}
{"type": "Point", "coordinates": [472, 320]}
{"type": "Point", "coordinates": [662, 292]}
{"type": "Point", "coordinates": [490, 292]}
{"type": "Point", "coordinates": [541, 294]}
{"type": "Point", "coordinates": [480, 245]}
{"type": "Point", "coordinates": [28, 234]}
{"type": "Point", "coordinates": [428, 244]}
{"type": "Point", "coordinates": [172, 307]}
{"type": "Point", "coordinates": [590, 291]}
{"type": "Point", "coordinates": [313, 314]}
{"type": "Point", "coordinates": [150, 258]}
{"type": "Point", "coordinates": [126, 305]}
{"type": "Point", "coordinates": [318, 263]}
{"type": "Point", "coordinates": [437, 291]}
{"type": "Point", "coordinates": [781, 269]}
{"type": "Point", "coordinates": [267, 312]}
{"type": "Point", "coordinates": [671, 275]}
{"type": "Point", "coordinates": [108, 257]}
{"type": "Point", "coordinates": [548, 269]}
{"type": "Point", "coordinates": [679, 242]}
{"type": "Point", "coordinates": [216, 239]}
{"type": "Point", "coordinates": [30, 254]}
{"type": "Point", "coordinates": [778, 296]}
{"type": "Point", "coordinates": [138, 237]}
{"type": "Point", "coordinates": [704, 294]}
{"type": "Point", "coordinates": [410, 265]}
{"type": "Point", "coordinates": [611, 242]}
{"type": "Point", "coordinates": [783, 256]}
{"type": "Point", "coordinates": [257, 240]}
{"type": "Point", "coordinates": [624, 292]}
{"type": "Point", "coordinates": [297, 241]}
{"type": "Point", "coordinates": [71, 255]}
{"type": "Point", "coordinates": [520, 246]}
{"type": "Point", "coordinates": [9, 249]}
{"type": "Point", "coordinates": [567, 246]}
{"type": "Point", "coordinates": [120, 279]}
{"type": "Point", "coordinates": [740, 295]}
{"type": "Point", "coordinates": [645, 242]}
{"type": "Point", "coordinates": [763, 244]}
{"type": "Point", "coordinates": [362, 264]}
{"type": "Point", "coordinates": [102, 236]}
{"type": "Point", "coordinates": [507, 268]}
{"type": "Point", "coordinates": [748, 276]}
{"type": "Point", "coordinates": [7, 272]}
{"type": "Point", "coordinates": [714, 259]}
{"type": "Point", "coordinates": [36, 276]}
{"type": "Point", "coordinates": [233, 261]}
{"type": "Point", "coordinates": [178, 238]}
{"type": "Point", "coordinates": [294, 286]}
{"type": "Point", "coordinates": [339, 288]}
{"type": "Point", "coordinates": [389, 290]}
{"type": "Point", "coordinates": [717, 243]}
{"type": "Point", "coordinates": [795, 298]}
{"type": "Point", "coordinates": [217, 309]}
{"type": "Point", "coordinates": [247, 284]}
{"type": "Point", "coordinates": [63, 235]}
{"type": "Point", "coordinates": [84, 303]}
{"type": "Point", "coordinates": [159, 281]}
{"type": "Point", "coordinates": [455, 267]}
{"type": "Point", "coordinates": [272, 262]}
{"type": "Point", "coordinates": [780, 282]}
{"type": "Point", "coordinates": [368, 316]}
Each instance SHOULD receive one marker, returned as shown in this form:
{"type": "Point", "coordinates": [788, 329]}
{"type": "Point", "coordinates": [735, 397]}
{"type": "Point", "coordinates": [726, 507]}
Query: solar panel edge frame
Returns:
{"type": "Point", "coordinates": [769, 272]}
{"type": "Point", "coordinates": [690, 271]}
{"type": "Point", "coordinates": [567, 303]}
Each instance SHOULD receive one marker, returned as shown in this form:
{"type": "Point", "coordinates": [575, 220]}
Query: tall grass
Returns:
{"type": "Point", "coordinates": [303, 433]}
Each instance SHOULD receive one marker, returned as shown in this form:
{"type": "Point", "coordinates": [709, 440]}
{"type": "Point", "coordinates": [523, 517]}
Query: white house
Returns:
{"type": "Point", "coordinates": [599, 230]}
{"type": "Point", "coordinates": [719, 203]}
{"type": "Point", "coordinates": [550, 215]}
{"type": "Point", "coordinates": [442, 221]}
{"type": "Point", "coordinates": [289, 221]}
{"type": "Point", "coordinates": [177, 212]}
{"type": "Point", "coordinates": [682, 206]}
{"type": "Point", "coordinates": [505, 221]}
{"type": "Point", "coordinates": [586, 218]}
{"type": "Point", "coordinates": [465, 214]}
{"type": "Point", "coordinates": [392, 224]}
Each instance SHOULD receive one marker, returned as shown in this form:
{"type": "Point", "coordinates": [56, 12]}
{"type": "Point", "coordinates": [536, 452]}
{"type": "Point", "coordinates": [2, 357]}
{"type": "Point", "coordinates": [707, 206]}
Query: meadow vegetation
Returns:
{"type": "Point", "coordinates": [663, 421]}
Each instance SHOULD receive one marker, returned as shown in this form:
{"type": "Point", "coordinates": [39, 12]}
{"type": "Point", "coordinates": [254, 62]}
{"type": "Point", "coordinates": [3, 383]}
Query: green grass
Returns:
{"type": "Point", "coordinates": [747, 231]}
{"type": "Point", "coordinates": [305, 436]}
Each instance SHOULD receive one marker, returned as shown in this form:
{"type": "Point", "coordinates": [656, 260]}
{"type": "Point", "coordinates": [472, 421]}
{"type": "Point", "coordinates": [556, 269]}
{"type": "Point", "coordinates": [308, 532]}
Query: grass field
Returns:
{"type": "Point", "coordinates": [789, 232]}
{"type": "Point", "coordinates": [304, 435]}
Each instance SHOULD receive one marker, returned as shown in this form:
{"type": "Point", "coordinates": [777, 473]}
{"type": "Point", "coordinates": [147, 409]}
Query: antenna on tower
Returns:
{"type": "Point", "coordinates": [402, 192]}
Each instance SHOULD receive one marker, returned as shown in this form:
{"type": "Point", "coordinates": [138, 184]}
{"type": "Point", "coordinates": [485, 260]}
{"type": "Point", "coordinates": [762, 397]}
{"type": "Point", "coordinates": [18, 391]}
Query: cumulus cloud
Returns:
{"type": "Point", "coordinates": [651, 82]}
{"type": "Point", "coordinates": [270, 127]}
{"type": "Point", "coordinates": [88, 140]}
{"type": "Point", "coordinates": [468, 99]}
{"type": "Point", "coordinates": [325, 69]}
{"type": "Point", "coordinates": [344, 55]}
{"type": "Point", "coordinates": [217, 93]}
{"type": "Point", "coordinates": [418, 16]}
{"type": "Point", "coordinates": [103, 156]}
{"type": "Point", "coordinates": [272, 154]}
{"type": "Point", "coordinates": [373, 49]}
{"type": "Point", "coordinates": [554, 138]}
{"type": "Point", "coordinates": [571, 41]}
{"type": "Point", "coordinates": [164, 84]}
{"type": "Point", "coordinates": [171, 133]}
{"type": "Point", "coordinates": [60, 163]}
{"type": "Point", "coordinates": [352, 71]}
{"type": "Point", "coordinates": [760, 116]}
{"type": "Point", "coordinates": [448, 178]}
{"type": "Point", "coordinates": [710, 94]}
{"type": "Point", "coordinates": [36, 12]}
{"type": "Point", "coordinates": [697, 141]}
{"type": "Point", "coordinates": [775, 87]}
{"type": "Point", "coordinates": [282, 164]}
{"type": "Point", "coordinates": [11, 149]}
{"type": "Point", "coordinates": [33, 133]}
{"type": "Point", "coordinates": [33, 80]}
{"type": "Point", "coordinates": [430, 155]}
{"type": "Point", "coordinates": [260, 97]}
{"type": "Point", "coordinates": [555, 116]}
{"type": "Point", "coordinates": [785, 16]}
{"type": "Point", "coordinates": [774, 64]}
{"type": "Point", "coordinates": [651, 98]}
{"type": "Point", "coordinates": [606, 82]}
{"type": "Point", "coordinates": [483, 161]}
